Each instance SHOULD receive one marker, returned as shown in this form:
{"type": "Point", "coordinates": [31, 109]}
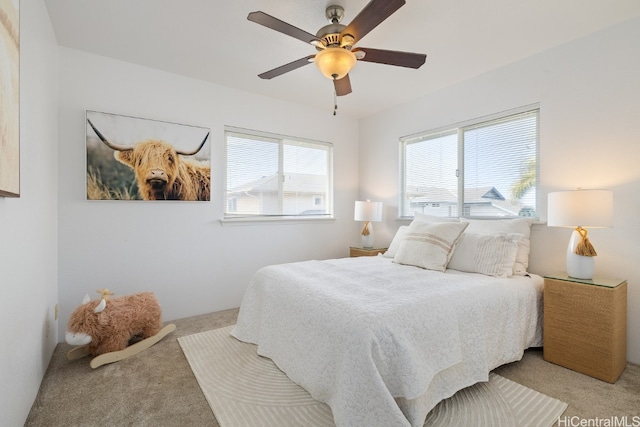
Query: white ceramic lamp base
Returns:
{"type": "Point", "coordinates": [367, 239]}
{"type": "Point", "coordinates": [578, 266]}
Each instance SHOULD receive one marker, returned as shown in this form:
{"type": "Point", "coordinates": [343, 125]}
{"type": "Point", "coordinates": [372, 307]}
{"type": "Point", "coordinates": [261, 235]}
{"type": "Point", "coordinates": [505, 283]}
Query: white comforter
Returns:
{"type": "Point", "coordinates": [383, 343]}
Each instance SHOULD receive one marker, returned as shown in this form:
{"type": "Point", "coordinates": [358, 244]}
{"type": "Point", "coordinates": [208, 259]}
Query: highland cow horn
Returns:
{"type": "Point", "coordinates": [190, 153]}
{"type": "Point", "coordinates": [100, 306]}
{"type": "Point", "coordinates": [107, 143]}
{"type": "Point", "coordinates": [86, 298]}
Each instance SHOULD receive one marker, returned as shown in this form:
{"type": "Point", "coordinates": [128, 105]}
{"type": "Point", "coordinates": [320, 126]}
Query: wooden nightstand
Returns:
{"type": "Point", "coordinates": [353, 251]}
{"type": "Point", "coordinates": [585, 325]}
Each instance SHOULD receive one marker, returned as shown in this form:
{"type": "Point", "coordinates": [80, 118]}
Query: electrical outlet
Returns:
{"type": "Point", "coordinates": [55, 311]}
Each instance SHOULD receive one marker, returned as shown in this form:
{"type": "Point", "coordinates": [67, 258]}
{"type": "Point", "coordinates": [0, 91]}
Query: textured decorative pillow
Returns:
{"type": "Point", "coordinates": [429, 244]}
{"type": "Point", "coordinates": [505, 226]}
{"type": "Point", "coordinates": [397, 239]}
{"type": "Point", "coordinates": [493, 255]}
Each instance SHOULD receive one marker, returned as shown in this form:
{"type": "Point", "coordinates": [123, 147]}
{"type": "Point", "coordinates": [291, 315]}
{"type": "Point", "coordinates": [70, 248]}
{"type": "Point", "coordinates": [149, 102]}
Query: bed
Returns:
{"type": "Point", "coordinates": [382, 340]}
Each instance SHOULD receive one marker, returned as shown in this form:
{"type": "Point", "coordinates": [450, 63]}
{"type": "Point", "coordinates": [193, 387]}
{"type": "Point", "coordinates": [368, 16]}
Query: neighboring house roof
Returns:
{"type": "Point", "coordinates": [487, 196]}
{"type": "Point", "coordinates": [293, 182]}
{"type": "Point", "coordinates": [471, 194]}
{"type": "Point", "coordinates": [442, 195]}
{"type": "Point", "coordinates": [421, 195]}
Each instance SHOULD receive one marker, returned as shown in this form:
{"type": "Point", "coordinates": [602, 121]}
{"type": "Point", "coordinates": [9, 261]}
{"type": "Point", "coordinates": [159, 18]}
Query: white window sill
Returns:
{"type": "Point", "coordinates": [275, 220]}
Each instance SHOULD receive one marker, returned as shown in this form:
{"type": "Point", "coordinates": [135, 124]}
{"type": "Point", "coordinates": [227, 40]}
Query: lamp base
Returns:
{"type": "Point", "coordinates": [578, 266]}
{"type": "Point", "coordinates": [367, 235]}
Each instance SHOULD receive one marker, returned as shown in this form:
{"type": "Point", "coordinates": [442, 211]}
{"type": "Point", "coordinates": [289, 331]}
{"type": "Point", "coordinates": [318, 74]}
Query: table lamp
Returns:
{"type": "Point", "coordinates": [581, 209]}
{"type": "Point", "coordinates": [367, 211]}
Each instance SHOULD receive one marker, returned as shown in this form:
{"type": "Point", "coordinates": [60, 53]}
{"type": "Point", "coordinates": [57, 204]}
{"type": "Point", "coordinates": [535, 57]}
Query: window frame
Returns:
{"type": "Point", "coordinates": [281, 141]}
{"type": "Point", "coordinates": [459, 129]}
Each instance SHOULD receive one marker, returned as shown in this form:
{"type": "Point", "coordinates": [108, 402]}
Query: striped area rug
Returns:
{"type": "Point", "coordinates": [244, 389]}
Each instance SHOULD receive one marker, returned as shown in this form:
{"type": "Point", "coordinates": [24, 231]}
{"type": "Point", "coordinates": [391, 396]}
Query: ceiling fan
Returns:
{"type": "Point", "coordinates": [335, 43]}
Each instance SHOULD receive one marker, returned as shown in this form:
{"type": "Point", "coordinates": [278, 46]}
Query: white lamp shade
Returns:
{"type": "Point", "coordinates": [368, 211]}
{"type": "Point", "coordinates": [580, 208]}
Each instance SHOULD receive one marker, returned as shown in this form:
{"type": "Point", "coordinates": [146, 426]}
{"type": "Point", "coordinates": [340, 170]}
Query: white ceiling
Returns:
{"type": "Point", "coordinates": [212, 40]}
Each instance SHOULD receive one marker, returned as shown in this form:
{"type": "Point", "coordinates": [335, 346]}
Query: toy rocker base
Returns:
{"type": "Point", "coordinates": [115, 356]}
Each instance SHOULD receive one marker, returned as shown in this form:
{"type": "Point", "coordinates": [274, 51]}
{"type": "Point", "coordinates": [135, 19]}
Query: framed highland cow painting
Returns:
{"type": "Point", "coordinates": [10, 98]}
{"type": "Point", "coordinates": [131, 158]}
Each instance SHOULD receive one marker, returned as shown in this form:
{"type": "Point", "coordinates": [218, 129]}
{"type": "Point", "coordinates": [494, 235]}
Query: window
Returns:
{"type": "Point", "coordinates": [487, 168]}
{"type": "Point", "coordinates": [276, 176]}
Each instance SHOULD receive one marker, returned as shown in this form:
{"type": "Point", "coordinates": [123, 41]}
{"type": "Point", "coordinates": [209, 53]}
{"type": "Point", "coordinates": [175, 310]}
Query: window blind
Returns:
{"type": "Point", "coordinates": [500, 165]}
{"type": "Point", "coordinates": [482, 169]}
{"type": "Point", "coordinates": [274, 176]}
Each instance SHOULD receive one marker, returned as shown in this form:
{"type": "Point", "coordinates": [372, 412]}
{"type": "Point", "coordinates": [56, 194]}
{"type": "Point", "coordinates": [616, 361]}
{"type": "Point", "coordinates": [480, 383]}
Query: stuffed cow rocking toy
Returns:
{"type": "Point", "coordinates": [114, 329]}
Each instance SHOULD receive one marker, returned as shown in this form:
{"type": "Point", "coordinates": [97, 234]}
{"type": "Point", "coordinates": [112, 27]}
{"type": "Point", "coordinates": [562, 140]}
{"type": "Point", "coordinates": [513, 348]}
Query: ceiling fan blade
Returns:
{"type": "Point", "coordinates": [342, 86]}
{"type": "Point", "coordinates": [393, 57]}
{"type": "Point", "coordinates": [282, 27]}
{"type": "Point", "coordinates": [286, 68]}
{"type": "Point", "coordinates": [373, 14]}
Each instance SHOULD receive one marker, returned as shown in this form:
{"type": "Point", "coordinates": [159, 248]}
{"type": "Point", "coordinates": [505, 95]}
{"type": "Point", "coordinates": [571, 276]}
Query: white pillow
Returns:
{"type": "Point", "coordinates": [505, 226]}
{"type": "Point", "coordinates": [397, 239]}
{"type": "Point", "coordinates": [492, 255]}
{"type": "Point", "coordinates": [395, 243]}
{"type": "Point", "coordinates": [429, 244]}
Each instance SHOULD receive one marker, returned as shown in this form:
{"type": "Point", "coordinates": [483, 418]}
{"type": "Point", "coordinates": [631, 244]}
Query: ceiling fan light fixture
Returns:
{"type": "Point", "coordinates": [335, 62]}
{"type": "Point", "coordinates": [347, 41]}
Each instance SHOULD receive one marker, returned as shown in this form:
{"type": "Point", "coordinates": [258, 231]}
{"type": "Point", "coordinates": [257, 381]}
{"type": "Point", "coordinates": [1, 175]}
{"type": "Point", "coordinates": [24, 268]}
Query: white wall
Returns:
{"type": "Point", "coordinates": [589, 95]}
{"type": "Point", "coordinates": [28, 225]}
{"type": "Point", "coordinates": [180, 250]}
{"type": "Point", "coordinates": [56, 246]}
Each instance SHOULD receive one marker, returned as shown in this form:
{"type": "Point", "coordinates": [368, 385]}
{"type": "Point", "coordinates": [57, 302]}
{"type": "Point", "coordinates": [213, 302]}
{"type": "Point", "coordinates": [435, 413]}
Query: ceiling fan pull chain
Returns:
{"type": "Point", "coordinates": [335, 102]}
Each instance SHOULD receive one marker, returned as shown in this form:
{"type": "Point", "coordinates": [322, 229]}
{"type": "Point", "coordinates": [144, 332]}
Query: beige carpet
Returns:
{"type": "Point", "coordinates": [244, 389]}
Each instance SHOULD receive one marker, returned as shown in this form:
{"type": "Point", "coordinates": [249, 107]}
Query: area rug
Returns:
{"type": "Point", "coordinates": [244, 389]}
